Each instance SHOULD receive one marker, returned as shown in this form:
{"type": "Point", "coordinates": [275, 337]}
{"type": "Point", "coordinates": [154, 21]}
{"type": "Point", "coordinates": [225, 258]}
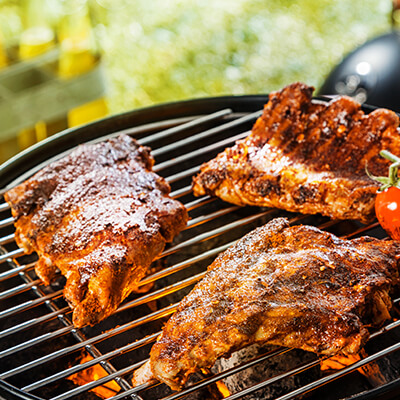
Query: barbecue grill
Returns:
{"type": "Point", "coordinates": [44, 357]}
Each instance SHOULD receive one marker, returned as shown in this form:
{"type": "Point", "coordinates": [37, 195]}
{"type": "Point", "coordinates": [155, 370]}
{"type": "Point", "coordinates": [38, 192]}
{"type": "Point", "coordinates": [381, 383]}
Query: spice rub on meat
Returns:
{"type": "Point", "coordinates": [294, 286]}
{"type": "Point", "coordinates": [101, 216]}
{"type": "Point", "coordinates": [306, 156]}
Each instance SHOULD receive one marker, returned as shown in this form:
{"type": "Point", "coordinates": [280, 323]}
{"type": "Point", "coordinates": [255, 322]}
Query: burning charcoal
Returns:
{"type": "Point", "coordinates": [265, 370]}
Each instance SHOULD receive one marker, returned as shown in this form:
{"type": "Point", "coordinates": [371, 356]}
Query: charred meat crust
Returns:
{"type": "Point", "coordinates": [306, 156]}
{"type": "Point", "coordinates": [101, 216]}
{"type": "Point", "coordinates": [291, 286]}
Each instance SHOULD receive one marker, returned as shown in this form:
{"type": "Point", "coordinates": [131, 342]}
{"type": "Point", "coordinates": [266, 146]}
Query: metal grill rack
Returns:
{"type": "Point", "coordinates": [39, 346]}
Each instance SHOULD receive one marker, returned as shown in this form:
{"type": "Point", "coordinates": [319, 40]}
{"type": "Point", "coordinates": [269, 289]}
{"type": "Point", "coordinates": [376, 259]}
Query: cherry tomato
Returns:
{"type": "Point", "coordinates": [387, 209]}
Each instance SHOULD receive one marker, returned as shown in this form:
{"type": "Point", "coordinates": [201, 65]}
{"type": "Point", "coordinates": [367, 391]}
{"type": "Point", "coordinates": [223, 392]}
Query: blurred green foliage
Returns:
{"type": "Point", "coordinates": [166, 50]}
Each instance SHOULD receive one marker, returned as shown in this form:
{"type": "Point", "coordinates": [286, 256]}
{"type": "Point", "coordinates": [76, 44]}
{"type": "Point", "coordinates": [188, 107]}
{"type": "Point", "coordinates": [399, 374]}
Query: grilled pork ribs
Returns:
{"type": "Point", "coordinates": [101, 216]}
{"type": "Point", "coordinates": [306, 156]}
{"type": "Point", "coordinates": [290, 286]}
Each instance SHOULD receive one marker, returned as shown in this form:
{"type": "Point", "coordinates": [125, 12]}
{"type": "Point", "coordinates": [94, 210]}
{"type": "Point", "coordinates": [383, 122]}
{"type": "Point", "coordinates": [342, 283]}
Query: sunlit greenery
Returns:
{"type": "Point", "coordinates": [160, 50]}
{"type": "Point", "coordinates": [164, 50]}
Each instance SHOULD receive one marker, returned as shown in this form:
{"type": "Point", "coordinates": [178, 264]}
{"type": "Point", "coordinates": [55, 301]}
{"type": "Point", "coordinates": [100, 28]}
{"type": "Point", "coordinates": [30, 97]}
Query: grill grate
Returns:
{"type": "Point", "coordinates": [41, 348]}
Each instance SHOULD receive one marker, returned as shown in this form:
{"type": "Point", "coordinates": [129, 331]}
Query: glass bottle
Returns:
{"type": "Point", "coordinates": [3, 53]}
{"type": "Point", "coordinates": [37, 36]}
{"type": "Point", "coordinates": [78, 56]}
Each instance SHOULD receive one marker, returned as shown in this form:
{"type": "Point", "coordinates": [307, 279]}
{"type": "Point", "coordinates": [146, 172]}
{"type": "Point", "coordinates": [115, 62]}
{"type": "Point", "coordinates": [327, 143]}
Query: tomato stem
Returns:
{"type": "Point", "coordinates": [393, 177]}
{"type": "Point", "coordinates": [389, 156]}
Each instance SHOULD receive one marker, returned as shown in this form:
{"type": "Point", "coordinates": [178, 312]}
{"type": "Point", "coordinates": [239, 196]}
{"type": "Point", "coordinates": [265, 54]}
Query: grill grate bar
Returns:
{"type": "Point", "coordinates": [176, 194]}
{"type": "Point", "coordinates": [205, 134]}
{"type": "Point", "coordinates": [98, 382]}
{"type": "Point", "coordinates": [30, 303]}
{"type": "Point", "coordinates": [84, 344]}
{"type": "Point", "coordinates": [7, 239]}
{"type": "Point", "coordinates": [76, 368]}
{"type": "Point", "coordinates": [6, 222]}
{"type": "Point", "coordinates": [202, 150]}
{"type": "Point", "coordinates": [361, 230]}
{"type": "Point", "coordinates": [15, 271]}
{"type": "Point", "coordinates": [32, 322]}
{"type": "Point", "coordinates": [184, 264]}
{"type": "Point", "coordinates": [148, 129]}
{"type": "Point", "coordinates": [129, 392]}
{"type": "Point", "coordinates": [183, 127]}
{"type": "Point", "coordinates": [18, 289]}
{"type": "Point", "coordinates": [11, 254]}
{"type": "Point", "coordinates": [181, 175]}
{"type": "Point", "coordinates": [215, 232]}
{"type": "Point", "coordinates": [209, 217]}
{"type": "Point", "coordinates": [199, 202]}
{"type": "Point", "coordinates": [94, 352]}
{"type": "Point", "coordinates": [165, 291]}
{"type": "Point", "coordinates": [4, 207]}
{"type": "Point", "coordinates": [35, 341]}
{"type": "Point", "coordinates": [386, 328]}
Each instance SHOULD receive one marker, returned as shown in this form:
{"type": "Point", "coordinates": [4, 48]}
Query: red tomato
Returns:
{"type": "Point", "coordinates": [387, 208]}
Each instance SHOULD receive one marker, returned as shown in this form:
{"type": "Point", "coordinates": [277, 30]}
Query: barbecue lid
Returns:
{"type": "Point", "coordinates": [369, 73]}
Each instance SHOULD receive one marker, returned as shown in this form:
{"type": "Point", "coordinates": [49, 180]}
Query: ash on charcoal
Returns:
{"type": "Point", "coordinates": [265, 370]}
{"type": "Point", "coordinates": [160, 391]}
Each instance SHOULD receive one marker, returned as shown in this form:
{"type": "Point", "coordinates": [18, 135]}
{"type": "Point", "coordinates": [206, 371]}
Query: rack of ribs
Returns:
{"type": "Point", "coordinates": [306, 156]}
{"type": "Point", "coordinates": [293, 286]}
{"type": "Point", "coordinates": [99, 215]}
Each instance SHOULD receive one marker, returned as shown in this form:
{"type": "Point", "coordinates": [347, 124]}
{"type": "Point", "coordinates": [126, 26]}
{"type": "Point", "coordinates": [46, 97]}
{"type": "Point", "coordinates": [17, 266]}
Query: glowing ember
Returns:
{"type": "Point", "coordinates": [371, 371]}
{"type": "Point", "coordinates": [339, 362]}
{"type": "Point", "coordinates": [223, 389]}
{"type": "Point", "coordinates": [94, 373]}
{"type": "Point", "coordinates": [220, 386]}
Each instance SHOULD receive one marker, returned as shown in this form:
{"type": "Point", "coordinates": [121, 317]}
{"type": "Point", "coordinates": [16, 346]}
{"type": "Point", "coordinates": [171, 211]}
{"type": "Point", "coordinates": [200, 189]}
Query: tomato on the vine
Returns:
{"type": "Point", "coordinates": [387, 202]}
{"type": "Point", "coordinates": [387, 209]}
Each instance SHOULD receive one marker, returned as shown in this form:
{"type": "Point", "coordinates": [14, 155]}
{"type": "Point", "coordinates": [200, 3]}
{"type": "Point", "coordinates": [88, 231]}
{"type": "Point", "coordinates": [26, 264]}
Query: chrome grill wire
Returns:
{"type": "Point", "coordinates": [223, 120]}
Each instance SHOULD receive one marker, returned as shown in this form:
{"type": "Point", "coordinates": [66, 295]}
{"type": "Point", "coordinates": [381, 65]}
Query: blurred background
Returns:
{"type": "Point", "coordinates": [64, 63]}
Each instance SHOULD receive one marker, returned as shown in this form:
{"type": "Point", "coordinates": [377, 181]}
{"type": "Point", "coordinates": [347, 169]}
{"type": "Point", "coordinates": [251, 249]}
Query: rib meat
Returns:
{"type": "Point", "coordinates": [101, 216]}
{"type": "Point", "coordinates": [290, 286]}
{"type": "Point", "coordinates": [306, 156]}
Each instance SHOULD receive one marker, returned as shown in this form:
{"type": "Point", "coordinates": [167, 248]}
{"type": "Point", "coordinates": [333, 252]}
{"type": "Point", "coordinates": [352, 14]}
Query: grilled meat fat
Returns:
{"type": "Point", "coordinates": [289, 286]}
{"type": "Point", "coordinates": [306, 156]}
{"type": "Point", "coordinates": [101, 216]}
